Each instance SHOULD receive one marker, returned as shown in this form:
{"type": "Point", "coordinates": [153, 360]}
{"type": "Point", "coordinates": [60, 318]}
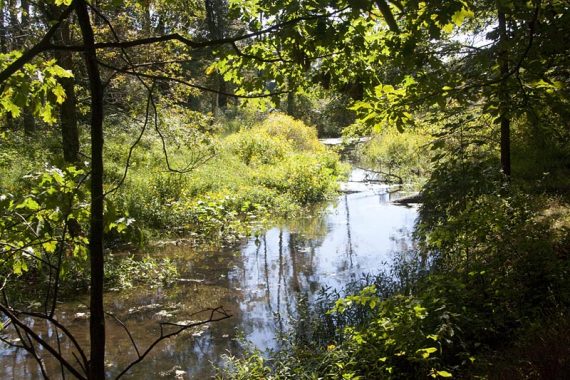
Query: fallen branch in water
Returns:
{"type": "Point", "coordinates": [385, 180]}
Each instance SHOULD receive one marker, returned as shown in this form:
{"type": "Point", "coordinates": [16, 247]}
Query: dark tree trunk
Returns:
{"type": "Point", "coordinates": [68, 119]}
{"type": "Point", "coordinates": [222, 97]}
{"type": "Point", "coordinates": [29, 122]}
{"type": "Point", "coordinates": [216, 11]}
{"type": "Point", "coordinates": [13, 24]}
{"type": "Point", "coordinates": [96, 369]}
{"type": "Point", "coordinates": [68, 109]}
{"type": "Point", "coordinates": [3, 44]}
{"type": "Point", "coordinates": [291, 108]}
{"type": "Point", "coordinates": [504, 117]}
{"type": "Point", "coordinates": [146, 18]}
{"type": "Point", "coordinates": [3, 32]}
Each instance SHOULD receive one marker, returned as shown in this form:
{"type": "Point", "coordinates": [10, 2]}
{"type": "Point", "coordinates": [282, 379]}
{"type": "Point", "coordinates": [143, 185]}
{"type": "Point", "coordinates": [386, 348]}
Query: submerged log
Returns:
{"type": "Point", "coordinates": [386, 176]}
{"type": "Point", "coordinates": [414, 198]}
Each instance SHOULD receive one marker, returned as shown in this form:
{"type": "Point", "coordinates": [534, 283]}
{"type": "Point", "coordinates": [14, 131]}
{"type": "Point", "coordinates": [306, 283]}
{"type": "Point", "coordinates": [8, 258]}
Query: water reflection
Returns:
{"type": "Point", "coordinates": [363, 230]}
{"type": "Point", "coordinates": [260, 283]}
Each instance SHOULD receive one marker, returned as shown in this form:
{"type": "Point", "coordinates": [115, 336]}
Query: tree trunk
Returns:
{"type": "Point", "coordinates": [504, 117]}
{"type": "Point", "coordinates": [68, 109]}
{"type": "Point", "coordinates": [216, 20]}
{"type": "Point", "coordinates": [96, 369]}
{"type": "Point", "coordinates": [3, 32]}
{"type": "Point", "coordinates": [29, 122]}
{"type": "Point", "coordinates": [14, 25]}
{"type": "Point", "coordinates": [291, 109]}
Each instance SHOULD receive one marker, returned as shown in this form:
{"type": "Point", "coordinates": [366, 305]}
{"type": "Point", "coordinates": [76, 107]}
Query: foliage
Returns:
{"type": "Point", "coordinates": [273, 168]}
{"type": "Point", "coordinates": [38, 228]}
{"type": "Point", "coordinates": [43, 236]}
{"type": "Point", "coordinates": [326, 110]}
{"type": "Point", "coordinates": [35, 86]}
{"type": "Point", "coordinates": [398, 153]}
{"type": "Point", "coordinates": [298, 135]}
{"type": "Point", "coordinates": [251, 367]}
{"type": "Point", "coordinates": [304, 178]}
{"type": "Point", "coordinates": [257, 147]}
{"type": "Point", "coordinates": [541, 154]}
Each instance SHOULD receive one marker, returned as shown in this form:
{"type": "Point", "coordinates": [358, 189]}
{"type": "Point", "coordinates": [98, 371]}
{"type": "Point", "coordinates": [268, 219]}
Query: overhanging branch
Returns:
{"type": "Point", "coordinates": [40, 47]}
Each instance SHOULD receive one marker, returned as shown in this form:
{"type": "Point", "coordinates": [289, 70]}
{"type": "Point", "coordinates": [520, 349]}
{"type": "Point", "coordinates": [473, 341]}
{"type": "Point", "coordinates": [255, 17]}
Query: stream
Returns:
{"type": "Point", "coordinates": [259, 282]}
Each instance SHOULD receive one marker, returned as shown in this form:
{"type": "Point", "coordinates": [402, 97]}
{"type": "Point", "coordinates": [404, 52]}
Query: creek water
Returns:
{"type": "Point", "coordinates": [258, 282]}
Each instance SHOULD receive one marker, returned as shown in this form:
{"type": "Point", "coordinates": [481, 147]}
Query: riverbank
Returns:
{"type": "Point", "coordinates": [210, 189]}
{"type": "Point", "coordinates": [264, 283]}
{"type": "Point", "coordinates": [488, 277]}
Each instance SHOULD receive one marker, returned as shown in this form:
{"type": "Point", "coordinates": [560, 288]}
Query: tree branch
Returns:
{"type": "Point", "coordinates": [180, 328]}
{"type": "Point", "coordinates": [40, 47]}
{"type": "Point", "coordinates": [36, 338]}
{"type": "Point", "coordinates": [189, 84]}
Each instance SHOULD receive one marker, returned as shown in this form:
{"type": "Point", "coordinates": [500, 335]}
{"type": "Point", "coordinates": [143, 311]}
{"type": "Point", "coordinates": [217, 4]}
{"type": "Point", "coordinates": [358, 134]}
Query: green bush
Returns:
{"type": "Point", "coordinates": [257, 146]}
{"type": "Point", "coordinates": [298, 135]}
{"type": "Point", "coordinates": [305, 178]}
{"type": "Point", "coordinates": [401, 154]}
{"type": "Point", "coordinates": [273, 168]}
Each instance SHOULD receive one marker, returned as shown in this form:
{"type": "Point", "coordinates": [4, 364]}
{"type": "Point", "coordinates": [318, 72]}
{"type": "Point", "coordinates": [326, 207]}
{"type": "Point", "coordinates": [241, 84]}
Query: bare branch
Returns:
{"type": "Point", "coordinates": [127, 331]}
{"type": "Point", "coordinates": [132, 148]}
{"type": "Point", "coordinates": [198, 44]}
{"type": "Point", "coordinates": [180, 328]}
{"type": "Point", "coordinates": [189, 84]}
{"type": "Point", "coordinates": [388, 16]}
{"type": "Point", "coordinates": [63, 329]}
{"type": "Point", "coordinates": [36, 338]}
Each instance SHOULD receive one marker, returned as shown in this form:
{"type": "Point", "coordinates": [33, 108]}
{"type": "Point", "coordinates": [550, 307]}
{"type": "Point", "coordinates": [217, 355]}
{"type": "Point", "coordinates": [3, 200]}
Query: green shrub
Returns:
{"type": "Point", "coordinates": [257, 146]}
{"type": "Point", "coordinates": [305, 178]}
{"type": "Point", "coordinates": [402, 154]}
{"type": "Point", "coordinates": [299, 136]}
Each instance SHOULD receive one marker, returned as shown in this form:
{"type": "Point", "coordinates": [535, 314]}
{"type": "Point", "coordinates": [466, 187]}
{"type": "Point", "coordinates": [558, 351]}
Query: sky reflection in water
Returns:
{"type": "Point", "coordinates": [259, 283]}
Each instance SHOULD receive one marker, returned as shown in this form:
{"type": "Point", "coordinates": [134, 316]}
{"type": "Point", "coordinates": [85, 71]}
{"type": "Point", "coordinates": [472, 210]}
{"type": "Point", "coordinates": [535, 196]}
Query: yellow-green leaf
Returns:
{"type": "Point", "coordinates": [49, 246]}
{"type": "Point", "coordinates": [59, 93]}
{"type": "Point", "coordinates": [459, 16]}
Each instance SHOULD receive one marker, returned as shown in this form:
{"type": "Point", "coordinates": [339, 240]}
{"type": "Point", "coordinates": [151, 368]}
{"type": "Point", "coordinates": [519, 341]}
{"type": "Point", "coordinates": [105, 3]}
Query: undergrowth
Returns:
{"type": "Point", "coordinates": [190, 181]}
{"type": "Point", "coordinates": [489, 280]}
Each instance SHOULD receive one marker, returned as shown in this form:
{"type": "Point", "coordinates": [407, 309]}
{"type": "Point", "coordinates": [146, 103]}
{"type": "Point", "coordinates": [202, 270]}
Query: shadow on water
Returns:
{"type": "Point", "coordinates": [259, 283]}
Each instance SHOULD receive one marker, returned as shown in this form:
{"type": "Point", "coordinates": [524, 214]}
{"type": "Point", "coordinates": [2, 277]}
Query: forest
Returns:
{"type": "Point", "coordinates": [284, 189]}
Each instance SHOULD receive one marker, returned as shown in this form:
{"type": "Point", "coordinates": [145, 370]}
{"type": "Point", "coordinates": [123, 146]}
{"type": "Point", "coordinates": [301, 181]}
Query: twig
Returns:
{"type": "Point", "coordinates": [127, 331]}
{"type": "Point", "coordinates": [36, 338]}
{"type": "Point", "coordinates": [219, 310]}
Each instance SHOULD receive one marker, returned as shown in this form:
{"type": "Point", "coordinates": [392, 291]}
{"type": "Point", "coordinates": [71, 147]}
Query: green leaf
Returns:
{"type": "Point", "coordinates": [448, 28]}
{"type": "Point", "coordinates": [47, 114]}
{"type": "Point", "coordinates": [426, 352]}
{"type": "Point", "coordinates": [10, 107]}
{"type": "Point", "coordinates": [459, 16]}
{"type": "Point", "coordinates": [444, 374]}
{"type": "Point", "coordinates": [29, 204]}
{"type": "Point", "coordinates": [59, 93]}
{"type": "Point", "coordinates": [50, 246]}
